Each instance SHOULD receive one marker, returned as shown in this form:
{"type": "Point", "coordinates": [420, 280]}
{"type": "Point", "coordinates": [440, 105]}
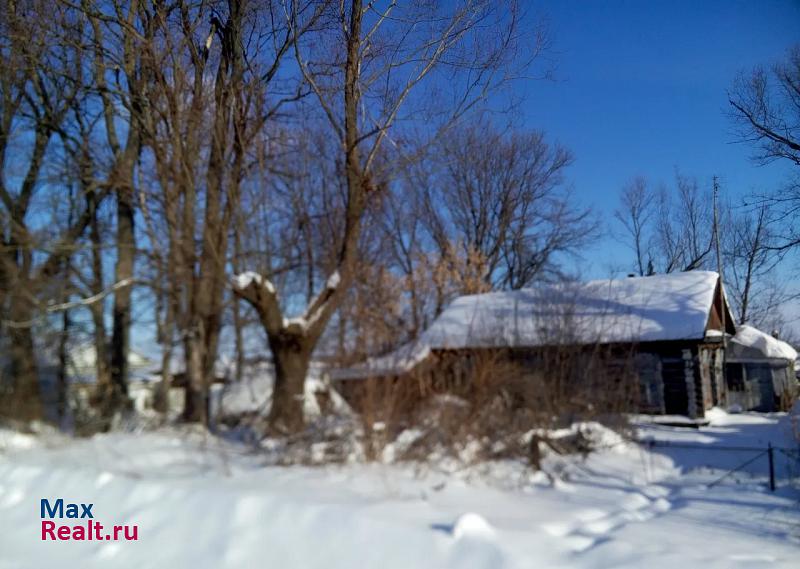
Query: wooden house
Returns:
{"type": "Point", "coordinates": [665, 330]}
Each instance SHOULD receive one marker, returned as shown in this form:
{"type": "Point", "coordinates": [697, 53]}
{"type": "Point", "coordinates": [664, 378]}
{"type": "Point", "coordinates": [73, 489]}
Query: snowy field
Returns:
{"type": "Point", "coordinates": [200, 502]}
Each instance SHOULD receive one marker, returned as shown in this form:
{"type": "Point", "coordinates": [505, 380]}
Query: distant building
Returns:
{"type": "Point", "coordinates": [82, 363]}
{"type": "Point", "coordinates": [81, 377]}
{"type": "Point", "coordinates": [666, 330]}
{"type": "Point", "coordinates": [760, 371]}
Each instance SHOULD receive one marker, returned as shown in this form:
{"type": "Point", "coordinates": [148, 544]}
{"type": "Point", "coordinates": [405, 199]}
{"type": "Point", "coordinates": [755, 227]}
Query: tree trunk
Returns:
{"type": "Point", "coordinates": [166, 333]}
{"type": "Point", "coordinates": [291, 358]}
{"type": "Point", "coordinates": [26, 401]}
{"type": "Point", "coordinates": [63, 363]}
{"type": "Point", "coordinates": [122, 178]}
{"type": "Point", "coordinates": [195, 407]}
{"type": "Point", "coordinates": [161, 399]}
{"type": "Point", "coordinates": [206, 302]}
{"type": "Point", "coordinates": [239, 339]}
{"type": "Point", "coordinates": [97, 309]}
{"type": "Point", "coordinates": [237, 309]}
{"type": "Point", "coordinates": [120, 339]}
{"type": "Point", "coordinates": [101, 349]}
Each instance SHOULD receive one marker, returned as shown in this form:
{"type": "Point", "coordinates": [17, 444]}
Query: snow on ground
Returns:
{"type": "Point", "coordinates": [202, 502]}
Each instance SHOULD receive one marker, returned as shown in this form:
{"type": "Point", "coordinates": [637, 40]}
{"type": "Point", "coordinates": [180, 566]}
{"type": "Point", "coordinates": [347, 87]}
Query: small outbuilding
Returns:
{"type": "Point", "coordinates": [760, 371]}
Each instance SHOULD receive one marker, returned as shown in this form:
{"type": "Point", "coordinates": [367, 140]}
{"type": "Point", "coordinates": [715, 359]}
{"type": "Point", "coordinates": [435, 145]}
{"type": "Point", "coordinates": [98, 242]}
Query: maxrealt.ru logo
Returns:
{"type": "Point", "coordinates": [89, 530]}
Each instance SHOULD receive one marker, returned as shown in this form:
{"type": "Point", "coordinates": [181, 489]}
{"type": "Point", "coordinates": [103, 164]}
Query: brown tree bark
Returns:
{"type": "Point", "coordinates": [120, 339]}
{"type": "Point", "coordinates": [26, 401]}
{"type": "Point", "coordinates": [97, 309]}
{"type": "Point", "coordinates": [291, 356]}
{"type": "Point", "coordinates": [195, 409]}
{"type": "Point", "coordinates": [63, 367]}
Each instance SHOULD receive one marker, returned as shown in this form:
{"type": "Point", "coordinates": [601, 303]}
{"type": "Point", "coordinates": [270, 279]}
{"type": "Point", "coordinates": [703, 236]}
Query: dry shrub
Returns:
{"type": "Point", "coordinates": [498, 403]}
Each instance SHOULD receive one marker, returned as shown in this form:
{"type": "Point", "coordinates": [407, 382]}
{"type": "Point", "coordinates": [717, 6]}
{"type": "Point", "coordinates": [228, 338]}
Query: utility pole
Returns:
{"type": "Point", "coordinates": [722, 389]}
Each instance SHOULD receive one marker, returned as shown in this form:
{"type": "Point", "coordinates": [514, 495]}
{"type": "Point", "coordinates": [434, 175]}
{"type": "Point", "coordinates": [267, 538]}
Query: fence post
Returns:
{"type": "Point", "coordinates": [770, 453]}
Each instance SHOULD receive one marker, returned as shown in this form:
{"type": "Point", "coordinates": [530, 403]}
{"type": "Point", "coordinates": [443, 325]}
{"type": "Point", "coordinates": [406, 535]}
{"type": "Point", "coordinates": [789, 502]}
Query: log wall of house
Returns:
{"type": "Point", "coordinates": [692, 378]}
{"type": "Point", "coordinates": [673, 378]}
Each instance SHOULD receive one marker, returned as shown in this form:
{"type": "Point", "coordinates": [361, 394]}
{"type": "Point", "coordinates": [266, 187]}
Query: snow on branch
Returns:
{"type": "Point", "coordinates": [262, 295]}
{"type": "Point", "coordinates": [252, 287]}
{"type": "Point", "coordinates": [51, 308]}
{"type": "Point", "coordinates": [295, 325]}
{"type": "Point", "coordinates": [316, 307]}
{"type": "Point", "coordinates": [244, 280]}
{"type": "Point", "coordinates": [333, 281]}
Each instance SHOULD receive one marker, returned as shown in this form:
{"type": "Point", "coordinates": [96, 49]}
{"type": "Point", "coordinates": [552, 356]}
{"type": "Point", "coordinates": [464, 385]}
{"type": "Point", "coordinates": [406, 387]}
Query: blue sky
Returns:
{"type": "Point", "coordinates": [641, 88]}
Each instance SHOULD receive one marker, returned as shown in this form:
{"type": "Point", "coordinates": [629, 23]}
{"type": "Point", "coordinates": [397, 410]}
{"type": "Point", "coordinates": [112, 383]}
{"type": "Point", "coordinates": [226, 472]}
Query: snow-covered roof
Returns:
{"type": "Point", "coordinates": [674, 306]}
{"type": "Point", "coordinates": [751, 343]}
{"type": "Point", "coordinates": [399, 361]}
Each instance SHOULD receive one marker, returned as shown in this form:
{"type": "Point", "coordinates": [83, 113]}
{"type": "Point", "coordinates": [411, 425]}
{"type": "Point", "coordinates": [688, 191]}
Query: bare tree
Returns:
{"type": "Point", "coordinates": [404, 234]}
{"type": "Point", "coordinates": [216, 84]}
{"type": "Point", "coordinates": [765, 106]}
{"type": "Point", "coordinates": [635, 214]}
{"type": "Point", "coordinates": [116, 30]}
{"type": "Point", "coordinates": [751, 261]}
{"type": "Point", "coordinates": [671, 228]}
{"type": "Point", "coordinates": [86, 275]}
{"type": "Point", "coordinates": [500, 197]}
{"type": "Point", "coordinates": [765, 109]}
{"type": "Point", "coordinates": [365, 69]}
{"type": "Point", "coordinates": [693, 217]}
{"type": "Point", "coordinates": [40, 81]}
